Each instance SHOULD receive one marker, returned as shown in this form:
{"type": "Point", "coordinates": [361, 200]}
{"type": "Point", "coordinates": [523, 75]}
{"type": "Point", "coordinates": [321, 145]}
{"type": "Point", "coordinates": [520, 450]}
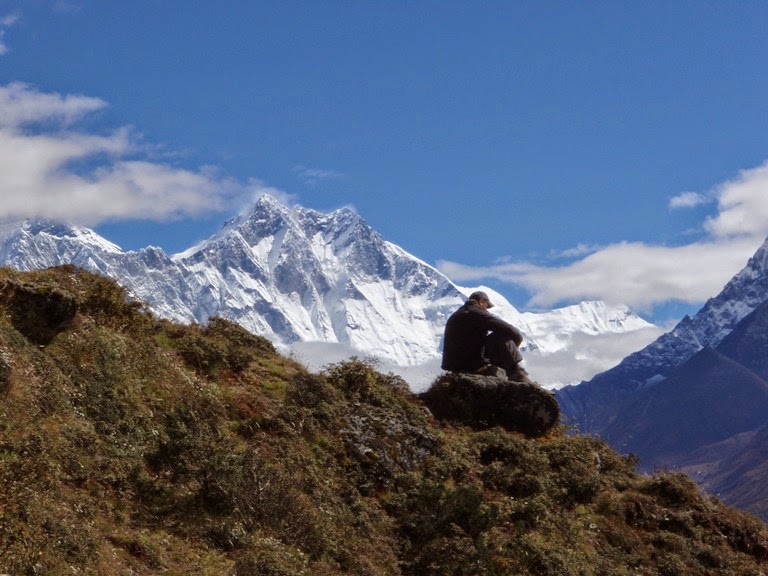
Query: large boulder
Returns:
{"type": "Point", "coordinates": [483, 402]}
{"type": "Point", "coordinates": [39, 312]}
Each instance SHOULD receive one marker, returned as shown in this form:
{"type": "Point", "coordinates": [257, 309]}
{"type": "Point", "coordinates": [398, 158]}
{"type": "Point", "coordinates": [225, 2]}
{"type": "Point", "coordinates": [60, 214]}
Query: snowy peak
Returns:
{"type": "Point", "coordinates": [592, 317]}
{"type": "Point", "coordinates": [740, 296]}
{"type": "Point", "coordinates": [60, 232]}
{"type": "Point", "coordinates": [266, 219]}
{"type": "Point", "coordinates": [293, 275]}
{"type": "Point", "coordinates": [270, 226]}
{"type": "Point", "coordinates": [35, 244]}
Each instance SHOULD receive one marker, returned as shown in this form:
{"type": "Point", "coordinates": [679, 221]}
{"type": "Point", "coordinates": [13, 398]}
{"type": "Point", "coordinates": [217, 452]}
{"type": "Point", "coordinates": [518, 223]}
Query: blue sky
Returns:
{"type": "Point", "coordinates": [555, 151]}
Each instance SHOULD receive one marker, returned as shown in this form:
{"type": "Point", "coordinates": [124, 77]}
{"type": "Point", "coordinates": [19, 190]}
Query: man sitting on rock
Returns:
{"type": "Point", "coordinates": [477, 342]}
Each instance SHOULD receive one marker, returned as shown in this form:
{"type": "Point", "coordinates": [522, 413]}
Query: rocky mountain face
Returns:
{"type": "Point", "coordinates": [297, 275]}
{"type": "Point", "coordinates": [697, 398]}
{"type": "Point", "coordinates": [134, 445]}
{"type": "Point", "coordinates": [288, 274]}
{"type": "Point", "coordinates": [710, 418]}
{"type": "Point", "coordinates": [593, 405]}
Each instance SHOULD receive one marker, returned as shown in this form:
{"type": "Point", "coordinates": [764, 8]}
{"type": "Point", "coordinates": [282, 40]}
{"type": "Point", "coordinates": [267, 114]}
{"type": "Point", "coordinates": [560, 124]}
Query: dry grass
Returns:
{"type": "Point", "coordinates": [130, 445]}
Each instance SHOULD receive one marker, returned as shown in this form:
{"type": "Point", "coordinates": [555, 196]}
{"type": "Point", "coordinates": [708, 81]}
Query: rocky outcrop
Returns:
{"type": "Point", "coordinates": [386, 445]}
{"type": "Point", "coordinates": [39, 312]}
{"type": "Point", "coordinates": [483, 402]}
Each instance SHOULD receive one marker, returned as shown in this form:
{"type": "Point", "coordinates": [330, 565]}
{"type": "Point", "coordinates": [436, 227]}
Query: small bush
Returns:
{"type": "Point", "coordinates": [270, 557]}
{"type": "Point", "coordinates": [673, 489]}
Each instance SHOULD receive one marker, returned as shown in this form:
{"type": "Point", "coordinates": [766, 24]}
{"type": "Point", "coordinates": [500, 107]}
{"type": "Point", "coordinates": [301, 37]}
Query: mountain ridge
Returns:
{"type": "Point", "coordinates": [706, 413]}
{"type": "Point", "coordinates": [610, 390]}
{"type": "Point", "coordinates": [297, 275]}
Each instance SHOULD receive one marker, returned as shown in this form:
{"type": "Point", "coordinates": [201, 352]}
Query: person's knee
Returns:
{"type": "Point", "coordinates": [518, 374]}
{"type": "Point", "coordinates": [502, 350]}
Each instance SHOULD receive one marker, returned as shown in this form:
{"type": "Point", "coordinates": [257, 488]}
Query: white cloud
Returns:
{"type": "Point", "coordinates": [6, 22]}
{"type": "Point", "coordinates": [585, 356]}
{"type": "Point", "coordinates": [312, 176]}
{"type": "Point", "coordinates": [644, 275]}
{"type": "Point", "coordinates": [9, 20]}
{"type": "Point", "coordinates": [56, 172]}
{"type": "Point", "coordinates": [20, 105]}
{"type": "Point", "coordinates": [575, 252]}
{"type": "Point", "coordinates": [689, 200]}
{"type": "Point", "coordinates": [742, 206]}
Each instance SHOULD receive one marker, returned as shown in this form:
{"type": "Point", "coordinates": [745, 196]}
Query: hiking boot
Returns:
{"type": "Point", "coordinates": [488, 370]}
{"type": "Point", "coordinates": [519, 374]}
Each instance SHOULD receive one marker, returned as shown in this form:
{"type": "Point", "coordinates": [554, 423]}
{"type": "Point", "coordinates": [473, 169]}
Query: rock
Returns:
{"type": "Point", "coordinates": [483, 402]}
{"type": "Point", "coordinates": [386, 444]}
{"type": "Point", "coordinates": [38, 312]}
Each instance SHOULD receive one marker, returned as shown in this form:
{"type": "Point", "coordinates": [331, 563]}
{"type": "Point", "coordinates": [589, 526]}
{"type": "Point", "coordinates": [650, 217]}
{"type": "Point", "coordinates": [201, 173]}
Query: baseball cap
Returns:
{"type": "Point", "coordinates": [480, 295]}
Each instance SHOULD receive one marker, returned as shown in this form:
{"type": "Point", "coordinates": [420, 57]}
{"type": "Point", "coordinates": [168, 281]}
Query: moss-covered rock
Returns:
{"type": "Point", "coordinates": [483, 402]}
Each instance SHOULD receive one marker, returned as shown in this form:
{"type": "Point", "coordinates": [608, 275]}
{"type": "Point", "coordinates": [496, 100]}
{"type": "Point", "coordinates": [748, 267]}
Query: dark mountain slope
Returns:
{"type": "Point", "coordinates": [592, 406]}
{"type": "Point", "coordinates": [706, 400]}
{"type": "Point", "coordinates": [747, 344]}
{"type": "Point", "coordinates": [741, 475]}
{"type": "Point", "coordinates": [694, 399]}
{"type": "Point", "coordinates": [130, 445]}
{"type": "Point", "coordinates": [706, 417]}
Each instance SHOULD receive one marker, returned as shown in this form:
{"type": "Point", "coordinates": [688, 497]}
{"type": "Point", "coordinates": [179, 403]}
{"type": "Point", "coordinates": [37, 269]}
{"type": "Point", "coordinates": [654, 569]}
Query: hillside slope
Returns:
{"type": "Point", "coordinates": [131, 445]}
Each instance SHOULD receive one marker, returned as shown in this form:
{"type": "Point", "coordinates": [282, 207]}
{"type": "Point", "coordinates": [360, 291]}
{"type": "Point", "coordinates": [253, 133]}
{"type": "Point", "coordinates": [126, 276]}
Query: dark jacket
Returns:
{"type": "Point", "coordinates": [465, 336]}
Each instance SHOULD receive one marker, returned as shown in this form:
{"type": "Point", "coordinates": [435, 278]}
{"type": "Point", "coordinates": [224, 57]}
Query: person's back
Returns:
{"type": "Point", "coordinates": [464, 339]}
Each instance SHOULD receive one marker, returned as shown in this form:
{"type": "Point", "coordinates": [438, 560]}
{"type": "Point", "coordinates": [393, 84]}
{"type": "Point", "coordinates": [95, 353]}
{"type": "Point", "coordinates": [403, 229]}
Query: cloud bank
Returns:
{"type": "Point", "coordinates": [644, 275]}
{"type": "Point", "coordinates": [52, 170]}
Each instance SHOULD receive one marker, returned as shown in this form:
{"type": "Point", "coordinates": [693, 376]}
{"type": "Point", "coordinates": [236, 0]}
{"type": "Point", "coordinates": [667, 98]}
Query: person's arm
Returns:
{"type": "Point", "coordinates": [496, 324]}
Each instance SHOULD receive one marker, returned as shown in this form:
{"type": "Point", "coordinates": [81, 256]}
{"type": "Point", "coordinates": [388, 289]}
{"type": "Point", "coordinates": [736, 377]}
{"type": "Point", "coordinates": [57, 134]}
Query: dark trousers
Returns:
{"type": "Point", "coordinates": [502, 351]}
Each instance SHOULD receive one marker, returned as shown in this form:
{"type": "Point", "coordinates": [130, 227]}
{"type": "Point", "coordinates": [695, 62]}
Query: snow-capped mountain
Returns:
{"type": "Point", "coordinates": [695, 399]}
{"type": "Point", "coordinates": [554, 329]}
{"type": "Point", "coordinates": [297, 275]}
{"type": "Point", "coordinates": [594, 404]}
{"type": "Point", "coordinates": [294, 274]}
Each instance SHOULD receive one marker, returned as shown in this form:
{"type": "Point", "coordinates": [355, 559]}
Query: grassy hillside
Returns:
{"type": "Point", "coordinates": [129, 445]}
